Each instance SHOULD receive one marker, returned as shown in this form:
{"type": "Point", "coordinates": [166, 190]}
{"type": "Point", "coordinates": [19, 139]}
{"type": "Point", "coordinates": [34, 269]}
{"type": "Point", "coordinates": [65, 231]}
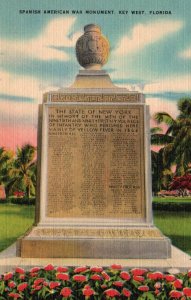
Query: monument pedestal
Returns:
{"type": "Point", "coordinates": [94, 173]}
{"type": "Point", "coordinates": [99, 242]}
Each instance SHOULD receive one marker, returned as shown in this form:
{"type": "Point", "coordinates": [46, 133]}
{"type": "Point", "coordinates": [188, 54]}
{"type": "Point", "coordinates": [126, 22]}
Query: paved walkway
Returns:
{"type": "Point", "coordinates": [179, 261]}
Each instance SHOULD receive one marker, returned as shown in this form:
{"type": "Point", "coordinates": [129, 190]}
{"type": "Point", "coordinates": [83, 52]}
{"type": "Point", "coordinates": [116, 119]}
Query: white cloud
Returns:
{"type": "Point", "coordinates": [145, 34]}
{"type": "Point", "coordinates": [23, 113]}
{"type": "Point", "coordinates": [175, 84]}
{"type": "Point", "coordinates": [55, 34]}
{"type": "Point", "coordinates": [23, 86]}
{"type": "Point", "coordinates": [161, 105]}
{"type": "Point", "coordinates": [20, 86]}
{"type": "Point", "coordinates": [186, 53]}
{"type": "Point", "coordinates": [170, 84]}
{"type": "Point", "coordinates": [20, 112]}
{"type": "Point", "coordinates": [156, 103]}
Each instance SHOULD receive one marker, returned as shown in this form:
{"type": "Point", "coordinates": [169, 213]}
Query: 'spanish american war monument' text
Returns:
{"type": "Point", "coordinates": [94, 174]}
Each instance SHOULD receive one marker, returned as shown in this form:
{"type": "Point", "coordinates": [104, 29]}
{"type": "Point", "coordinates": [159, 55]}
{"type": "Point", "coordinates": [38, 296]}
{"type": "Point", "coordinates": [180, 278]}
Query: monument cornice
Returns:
{"type": "Point", "coordinates": [92, 96]}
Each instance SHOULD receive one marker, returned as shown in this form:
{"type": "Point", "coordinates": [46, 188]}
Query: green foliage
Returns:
{"type": "Point", "coordinates": [23, 201]}
{"type": "Point", "coordinates": [175, 143]}
{"type": "Point", "coordinates": [171, 206]}
{"type": "Point", "coordinates": [43, 283]}
{"type": "Point", "coordinates": [6, 164]}
{"type": "Point", "coordinates": [18, 173]}
{"type": "Point", "coordinates": [161, 176]}
{"type": "Point", "coordinates": [184, 107]}
{"type": "Point", "coordinates": [163, 117]}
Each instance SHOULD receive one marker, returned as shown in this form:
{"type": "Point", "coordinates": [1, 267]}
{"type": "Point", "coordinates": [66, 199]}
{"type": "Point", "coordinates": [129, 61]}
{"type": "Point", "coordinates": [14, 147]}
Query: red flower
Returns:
{"type": "Point", "coordinates": [34, 270]}
{"type": "Point", "coordinates": [19, 270]}
{"type": "Point", "coordinates": [103, 286]}
{"type": "Point", "coordinates": [189, 273]}
{"type": "Point", "coordinates": [38, 281]}
{"type": "Point", "coordinates": [116, 267]}
{"type": "Point", "coordinates": [96, 269]}
{"type": "Point", "coordinates": [66, 292]}
{"type": "Point", "coordinates": [38, 287]}
{"type": "Point", "coordinates": [79, 278]}
{"type": "Point", "coordinates": [62, 269]}
{"type": "Point", "coordinates": [125, 275]}
{"type": "Point", "coordinates": [62, 276]}
{"type": "Point", "coordinates": [49, 268]}
{"type": "Point", "coordinates": [33, 274]}
{"type": "Point", "coordinates": [15, 295]}
{"type": "Point", "coordinates": [157, 292]}
{"type": "Point", "coordinates": [143, 288]}
{"type": "Point", "coordinates": [54, 284]}
{"type": "Point", "coordinates": [112, 293]}
{"type": "Point", "coordinates": [170, 278]}
{"type": "Point", "coordinates": [88, 292]}
{"type": "Point", "coordinates": [8, 276]}
{"type": "Point", "coordinates": [22, 276]}
{"type": "Point", "coordinates": [96, 277]}
{"type": "Point", "coordinates": [80, 269]}
{"type": "Point", "coordinates": [138, 272]}
{"type": "Point", "coordinates": [105, 275]}
{"type": "Point", "coordinates": [126, 292]}
{"type": "Point", "coordinates": [87, 286]}
{"type": "Point", "coordinates": [155, 276]}
{"type": "Point", "coordinates": [158, 285]}
{"type": "Point", "coordinates": [118, 283]}
{"type": "Point", "coordinates": [175, 294]}
{"type": "Point", "coordinates": [11, 284]}
{"type": "Point", "coordinates": [187, 291]}
{"type": "Point", "coordinates": [22, 286]}
{"type": "Point", "coordinates": [139, 278]}
{"type": "Point", "coordinates": [178, 284]}
{"type": "Point", "coordinates": [18, 194]}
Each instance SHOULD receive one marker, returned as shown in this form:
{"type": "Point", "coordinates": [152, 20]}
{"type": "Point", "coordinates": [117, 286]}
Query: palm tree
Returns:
{"type": "Point", "coordinates": [161, 173]}
{"type": "Point", "coordinates": [23, 173]}
{"type": "Point", "coordinates": [6, 163]}
{"type": "Point", "coordinates": [176, 140]}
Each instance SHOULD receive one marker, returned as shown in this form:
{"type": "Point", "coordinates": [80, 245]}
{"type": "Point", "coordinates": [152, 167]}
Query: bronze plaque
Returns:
{"type": "Point", "coordinates": [95, 161]}
{"type": "Point", "coordinates": [60, 97]}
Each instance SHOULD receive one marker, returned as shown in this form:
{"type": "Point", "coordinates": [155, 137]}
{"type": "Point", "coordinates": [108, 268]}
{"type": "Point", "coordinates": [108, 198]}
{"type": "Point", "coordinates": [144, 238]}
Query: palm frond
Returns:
{"type": "Point", "coordinates": [155, 130]}
{"type": "Point", "coordinates": [184, 105]}
{"type": "Point", "coordinates": [163, 117]}
{"type": "Point", "coordinates": [161, 139]}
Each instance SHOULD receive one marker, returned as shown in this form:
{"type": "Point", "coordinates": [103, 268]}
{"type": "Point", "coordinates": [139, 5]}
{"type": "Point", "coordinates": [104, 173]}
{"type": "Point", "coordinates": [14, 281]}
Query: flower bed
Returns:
{"type": "Point", "coordinates": [68, 283]}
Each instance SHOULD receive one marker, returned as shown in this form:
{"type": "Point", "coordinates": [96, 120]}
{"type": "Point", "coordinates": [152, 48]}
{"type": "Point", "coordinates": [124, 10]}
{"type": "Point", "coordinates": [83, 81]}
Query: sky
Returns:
{"type": "Point", "coordinates": [150, 52]}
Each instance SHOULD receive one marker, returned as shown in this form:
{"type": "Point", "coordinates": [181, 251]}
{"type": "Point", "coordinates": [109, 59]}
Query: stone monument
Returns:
{"type": "Point", "coordinates": [94, 174]}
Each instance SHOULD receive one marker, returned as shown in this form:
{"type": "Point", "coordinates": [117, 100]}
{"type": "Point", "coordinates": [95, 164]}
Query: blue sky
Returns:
{"type": "Point", "coordinates": [150, 53]}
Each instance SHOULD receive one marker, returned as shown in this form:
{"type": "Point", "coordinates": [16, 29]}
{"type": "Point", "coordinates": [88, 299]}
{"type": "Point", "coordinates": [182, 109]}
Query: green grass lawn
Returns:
{"type": "Point", "coordinates": [14, 220]}
{"type": "Point", "coordinates": [177, 226]}
{"type": "Point", "coordinates": [172, 199]}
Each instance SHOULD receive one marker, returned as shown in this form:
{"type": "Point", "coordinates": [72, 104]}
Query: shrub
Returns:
{"type": "Point", "coordinates": [3, 201]}
{"type": "Point", "coordinates": [171, 206]}
{"type": "Point", "coordinates": [20, 201]}
{"type": "Point", "coordinates": [30, 201]}
{"type": "Point", "coordinates": [93, 283]}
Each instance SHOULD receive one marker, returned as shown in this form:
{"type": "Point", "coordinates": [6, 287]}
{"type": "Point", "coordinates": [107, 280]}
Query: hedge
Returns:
{"type": "Point", "coordinates": [171, 206]}
{"type": "Point", "coordinates": [21, 201]}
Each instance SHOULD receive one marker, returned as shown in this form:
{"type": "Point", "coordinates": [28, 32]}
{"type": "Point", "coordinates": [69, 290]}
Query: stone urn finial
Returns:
{"type": "Point", "coordinates": [92, 48]}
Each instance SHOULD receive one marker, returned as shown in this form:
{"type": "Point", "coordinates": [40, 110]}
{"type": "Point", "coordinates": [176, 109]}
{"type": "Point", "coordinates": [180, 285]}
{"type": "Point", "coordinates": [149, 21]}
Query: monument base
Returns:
{"type": "Point", "coordinates": [70, 242]}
